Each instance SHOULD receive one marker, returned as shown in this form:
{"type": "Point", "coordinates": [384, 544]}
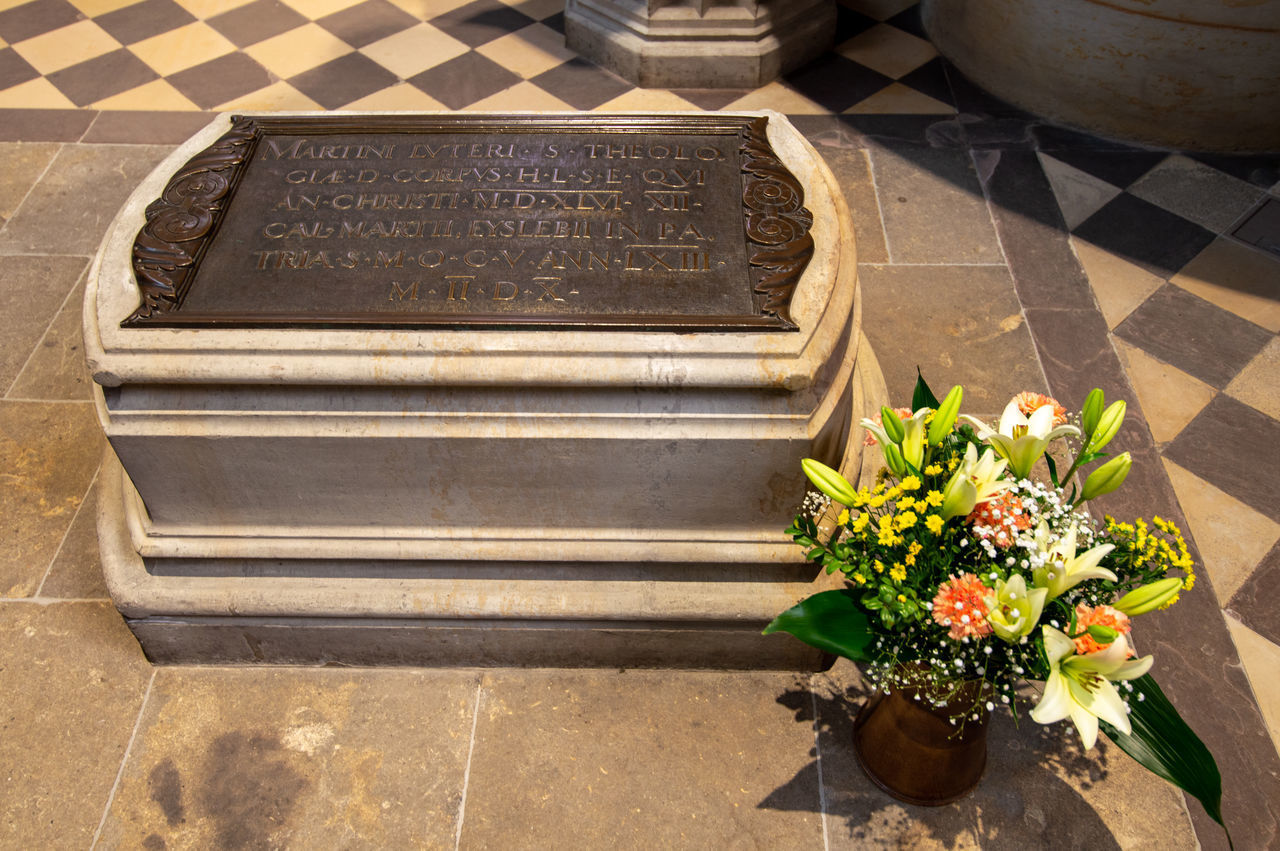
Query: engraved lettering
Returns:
{"type": "Point", "coordinates": [398, 293]}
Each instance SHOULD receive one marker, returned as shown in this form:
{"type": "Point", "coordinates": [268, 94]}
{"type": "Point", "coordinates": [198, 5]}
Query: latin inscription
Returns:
{"type": "Point", "coordinates": [576, 221]}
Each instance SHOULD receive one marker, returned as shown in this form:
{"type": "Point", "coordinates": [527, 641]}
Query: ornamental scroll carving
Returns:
{"type": "Point", "coordinates": [180, 221]}
{"type": "Point", "coordinates": [780, 245]}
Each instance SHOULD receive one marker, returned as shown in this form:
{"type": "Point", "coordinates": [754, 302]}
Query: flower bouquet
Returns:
{"type": "Point", "coordinates": [969, 579]}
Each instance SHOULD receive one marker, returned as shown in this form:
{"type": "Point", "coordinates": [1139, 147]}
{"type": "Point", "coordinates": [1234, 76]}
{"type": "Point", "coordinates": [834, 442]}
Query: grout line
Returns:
{"type": "Point", "coordinates": [124, 760]}
{"type": "Point", "coordinates": [822, 786]}
{"type": "Point", "coordinates": [875, 190]}
{"type": "Point", "coordinates": [48, 401]}
{"type": "Point", "coordinates": [980, 265]}
{"type": "Point", "coordinates": [466, 773]}
{"type": "Point", "coordinates": [83, 499]}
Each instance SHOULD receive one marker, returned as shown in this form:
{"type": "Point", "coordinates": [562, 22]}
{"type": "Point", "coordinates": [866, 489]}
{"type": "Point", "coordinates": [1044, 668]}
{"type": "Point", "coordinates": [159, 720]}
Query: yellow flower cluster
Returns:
{"type": "Point", "coordinates": [1164, 551]}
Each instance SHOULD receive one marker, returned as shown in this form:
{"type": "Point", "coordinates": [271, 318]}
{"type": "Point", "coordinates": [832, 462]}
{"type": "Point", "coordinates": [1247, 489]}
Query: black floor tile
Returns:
{"type": "Point", "coordinates": [581, 84]}
{"type": "Point", "coordinates": [850, 23]}
{"type": "Point", "coordinates": [1255, 602]}
{"type": "Point", "coordinates": [1052, 137]}
{"type": "Point", "coordinates": [32, 19]}
{"type": "Point", "coordinates": [102, 77]}
{"type": "Point", "coordinates": [464, 80]}
{"type": "Point", "coordinates": [835, 82]}
{"type": "Point", "coordinates": [1159, 241]}
{"type": "Point", "coordinates": [908, 20]}
{"type": "Point", "coordinates": [258, 21]}
{"type": "Point", "coordinates": [14, 69]}
{"type": "Point", "coordinates": [480, 22]}
{"type": "Point", "coordinates": [1262, 228]}
{"type": "Point", "coordinates": [711, 99]}
{"type": "Point", "coordinates": [1197, 337]}
{"type": "Point", "coordinates": [934, 131]}
{"type": "Point", "coordinates": [367, 22]}
{"type": "Point", "coordinates": [144, 20]}
{"type": "Point", "coordinates": [1231, 446]}
{"type": "Point", "coordinates": [343, 80]}
{"type": "Point", "coordinates": [930, 79]}
{"type": "Point", "coordinates": [1119, 168]}
{"type": "Point", "coordinates": [556, 22]}
{"type": "Point", "coordinates": [1259, 169]}
{"type": "Point", "coordinates": [220, 80]}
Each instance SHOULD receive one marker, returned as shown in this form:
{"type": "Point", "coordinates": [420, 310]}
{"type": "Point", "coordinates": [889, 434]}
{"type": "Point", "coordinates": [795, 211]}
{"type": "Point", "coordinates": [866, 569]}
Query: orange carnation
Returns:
{"type": "Point", "coordinates": [961, 604]}
{"type": "Point", "coordinates": [1029, 402]}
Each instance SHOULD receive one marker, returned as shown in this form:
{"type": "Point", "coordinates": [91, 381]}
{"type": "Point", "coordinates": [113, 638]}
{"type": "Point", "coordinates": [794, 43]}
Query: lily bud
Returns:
{"type": "Point", "coordinates": [1102, 634]}
{"type": "Point", "coordinates": [828, 481]}
{"type": "Point", "coordinates": [1092, 410]}
{"type": "Point", "coordinates": [1108, 477]}
{"type": "Point", "coordinates": [1108, 425]}
{"type": "Point", "coordinates": [945, 417]}
{"type": "Point", "coordinates": [892, 424]}
{"type": "Point", "coordinates": [1151, 596]}
{"type": "Point", "coordinates": [959, 496]}
{"type": "Point", "coordinates": [893, 458]}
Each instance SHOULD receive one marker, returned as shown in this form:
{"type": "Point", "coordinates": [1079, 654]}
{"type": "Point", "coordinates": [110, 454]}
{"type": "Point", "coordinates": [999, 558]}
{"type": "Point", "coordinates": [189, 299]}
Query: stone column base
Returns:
{"type": "Point", "coordinates": [697, 44]}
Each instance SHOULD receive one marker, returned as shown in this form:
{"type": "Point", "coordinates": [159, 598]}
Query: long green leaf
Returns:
{"type": "Point", "coordinates": [922, 397]}
{"type": "Point", "coordinates": [829, 620]}
{"type": "Point", "coordinates": [1163, 744]}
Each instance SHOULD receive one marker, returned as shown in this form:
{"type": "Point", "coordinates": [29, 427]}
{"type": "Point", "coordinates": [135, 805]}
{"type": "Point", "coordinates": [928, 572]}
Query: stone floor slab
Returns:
{"type": "Point", "coordinates": [295, 758]}
{"type": "Point", "coordinates": [20, 168]}
{"type": "Point", "coordinates": [933, 207]}
{"type": "Point", "coordinates": [959, 324]}
{"type": "Point", "coordinates": [69, 210]}
{"type": "Point", "coordinates": [48, 455]}
{"type": "Point", "coordinates": [1198, 192]}
{"type": "Point", "coordinates": [76, 572]}
{"type": "Point", "coordinates": [32, 292]}
{"type": "Point", "coordinates": [1169, 397]}
{"type": "Point", "coordinates": [73, 680]}
{"type": "Point", "coordinates": [56, 368]}
{"type": "Point", "coordinates": [852, 170]}
{"type": "Point", "coordinates": [641, 760]}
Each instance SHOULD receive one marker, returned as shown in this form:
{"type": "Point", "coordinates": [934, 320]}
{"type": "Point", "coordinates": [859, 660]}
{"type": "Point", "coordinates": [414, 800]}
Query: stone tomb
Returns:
{"type": "Point", "coordinates": [473, 389]}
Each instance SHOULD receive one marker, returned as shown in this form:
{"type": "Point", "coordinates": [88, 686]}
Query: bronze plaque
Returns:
{"type": "Point", "coordinates": [616, 222]}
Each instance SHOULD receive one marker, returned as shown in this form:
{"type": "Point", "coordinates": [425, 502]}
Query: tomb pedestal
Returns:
{"type": "Point", "coordinates": [384, 480]}
{"type": "Point", "coordinates": [739, 44]}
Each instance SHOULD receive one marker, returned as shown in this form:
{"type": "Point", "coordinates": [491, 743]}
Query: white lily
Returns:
{"type": "Point", "coordinates": [1062, 568]}
{"type": "Point", "coordinates": [1022, 440]}
{"type": "Point", "coordinates": [913, 439]}
{"type": "Point", "coordinates": [1012, 610]}
{"type": "Point", "coordinates": [984, 472]}
{"type": "Point", "coordinates": [1079, 686]}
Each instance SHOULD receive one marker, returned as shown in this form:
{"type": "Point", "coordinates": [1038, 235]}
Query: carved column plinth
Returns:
{"type": "Point", "coordinates": [700, 43]}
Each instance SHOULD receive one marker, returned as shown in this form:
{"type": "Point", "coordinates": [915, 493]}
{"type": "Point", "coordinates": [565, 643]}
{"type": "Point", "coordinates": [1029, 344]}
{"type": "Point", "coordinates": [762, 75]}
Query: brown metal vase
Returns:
{"type": "Point", "coordinates": [912, 751]}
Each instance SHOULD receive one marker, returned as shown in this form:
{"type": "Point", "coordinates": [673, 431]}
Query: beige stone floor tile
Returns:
{"type": "Point", "coordinates": [1261, 660]}
{"type": "Point", "coordinates": [35, 94]}
{"type": "Point", "coordinates": [279, 95]}
{"type": "Point", "coordinates": [296, 758]}
{"type": "Point", "coordinates": [780, 97]}
{"type": "Point", "coordinates": [529, 51]}
{"type": "Point", "coordinates": [961, 325]}
{"type": "Point", "coordinates": [69, 210]}
{"type": "Point", "coordinates": [66, 46]}
{"type": "Point", "coordinates": [301, 49]}
{"type": "Point", "coordinates": [32, 292]}
{"type": "Point", "coordinates": [56, 368]}
{"type": "Point", "coordinates": [155, 95]}
{"type": "Point", "coordinates": [317, 9]}
{"type": "Point", "coordinates": [208, 8]}
{"type": "Point", "coordinates": [427, 9]}
{"type": "Point", "coordinates": [1079, 194]}
{"type": "Point", "coordinates": [73, 680]}
{"type": "Point", "coordinates": [48, 454]}
{"type": "Point", "coordinates": [1231, 536]}
{"type": "Point", "coordinates": [1237, 278]}
{"type": "Point", "coordinates": [185, 47]}
{"type": "Point", "coordinates": [642, 759]}
{"type": "Point", "coordinates": [414, 50]}
{"type": "Point", "coordinates": [1258, 384]}
{"type": "Point", "coordinates": [21, 165]}
{"type": "Point", "coordinates": [402, 96]}
{"type": "Point", "coordinates": [76, 572]}
{"type": "Point", "coordinates": [852, 171]}
{"type": "Point", "coordinates": [1169, 397]}
{"type": "Point", "coordinates": [647, 100]}
{"type": "Point", "coordinates": [897, 99]}
{"type": "Point", "coordinates": [93, 8]}
{"type": "Point", "coordinates": [1118, 285]}
{"type": "Point", "coordinates": [521, 96]}
{"type": "Point", "coordinates": [889, 50]}
{"type": "Point", "coordinates": [933, 207]}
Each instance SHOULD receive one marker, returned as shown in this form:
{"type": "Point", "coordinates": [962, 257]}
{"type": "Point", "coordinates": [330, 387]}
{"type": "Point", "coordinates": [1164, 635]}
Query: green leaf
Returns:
{"type": "Point", "coordinates": [1053, 470]}
{"type": "Point", "coordinates": [830, 621]}
{"type": "Point", "coordinates": [922, 397]}
{"type": "Point", "coordinates": [1163, 744]}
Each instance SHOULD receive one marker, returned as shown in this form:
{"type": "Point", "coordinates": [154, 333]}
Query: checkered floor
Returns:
{"type": "Point", "coordinates": [1181, 251]}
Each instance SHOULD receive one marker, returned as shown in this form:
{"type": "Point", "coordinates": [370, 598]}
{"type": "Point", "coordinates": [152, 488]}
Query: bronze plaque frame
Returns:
{"type": "Point", "coordinates": [183, 224]}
